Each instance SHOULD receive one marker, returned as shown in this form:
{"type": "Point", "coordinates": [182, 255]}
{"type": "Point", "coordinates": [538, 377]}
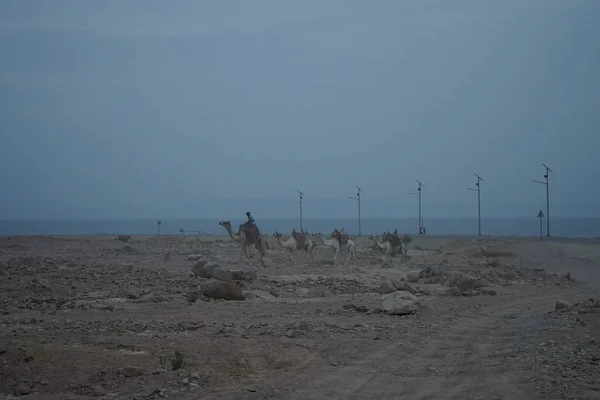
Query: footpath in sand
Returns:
{"type": "Point", "coordinates": [141, 318]}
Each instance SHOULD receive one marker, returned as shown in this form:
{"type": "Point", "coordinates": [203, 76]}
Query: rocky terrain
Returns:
{"type": "Point", "coordinates": [184, 318]}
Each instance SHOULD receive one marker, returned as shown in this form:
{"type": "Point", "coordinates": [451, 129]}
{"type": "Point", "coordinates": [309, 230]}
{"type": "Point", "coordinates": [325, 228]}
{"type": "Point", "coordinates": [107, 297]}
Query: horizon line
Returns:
{"type": "Point", "coordinates": [269, 218]}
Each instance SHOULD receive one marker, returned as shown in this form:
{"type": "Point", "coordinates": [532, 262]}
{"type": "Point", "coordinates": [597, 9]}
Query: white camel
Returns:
{"type": "Point", "coordinates": [335, 244]}
{"type": "Point", "coordinates": [388, 247]}
{"type": "Point", "coordinates": [292, 244]}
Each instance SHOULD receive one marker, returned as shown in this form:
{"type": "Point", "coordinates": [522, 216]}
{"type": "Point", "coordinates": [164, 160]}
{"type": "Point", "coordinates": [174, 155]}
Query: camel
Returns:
{"type": "Point", "coordinates": [292, 244]}
{"type": "Point", "coordinates": [388, 247]}
{"type": "Point", "coordinates": [337, 245]}
{"type": "Point", "coordinates": [242, 237]}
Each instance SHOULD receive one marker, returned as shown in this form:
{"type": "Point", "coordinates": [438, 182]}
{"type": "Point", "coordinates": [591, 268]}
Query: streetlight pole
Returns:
{"type": "Point", "coordinates": [300, 202]}
{"type": "Point", "coordinates": [419, 194]}
{"type": "Point", "coordinates": [478, 190]}
{"type": "Point", "coordinates": [357, 198]}
{"type": "Point", "coordinates": [547, 183]}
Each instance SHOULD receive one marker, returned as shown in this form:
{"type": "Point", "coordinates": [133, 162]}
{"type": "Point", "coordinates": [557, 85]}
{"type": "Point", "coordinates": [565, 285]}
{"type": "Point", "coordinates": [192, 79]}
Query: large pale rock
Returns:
{"type": "Point", "coordinates": [204, 269]}
{"type": "Point", "coordinates": [387, 287]}
{"type": "Point", "coordinates": [199, 270]}
{"type": "Point", "coordinates": [413, 276]}
{"type": "Point", "coordinates": [221, 290]}
{"type": "Point", "coordinates": [399, 303]}
{"type": "Point", "coordinates": [222, 275]}
{"type": "Point", "coordinates": [410, 288]}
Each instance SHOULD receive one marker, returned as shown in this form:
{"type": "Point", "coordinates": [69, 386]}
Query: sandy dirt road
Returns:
{"type": "Point", "coordinates": [95, 317]}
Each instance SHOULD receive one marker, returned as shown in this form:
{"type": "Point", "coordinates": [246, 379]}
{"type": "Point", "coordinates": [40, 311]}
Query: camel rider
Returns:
{"type": "Point", "coordinates": [250, 221]}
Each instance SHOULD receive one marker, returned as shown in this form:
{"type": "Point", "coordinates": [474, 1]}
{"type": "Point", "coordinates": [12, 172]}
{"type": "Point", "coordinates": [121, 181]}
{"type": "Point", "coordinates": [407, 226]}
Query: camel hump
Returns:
{"type": "Point", "coordinates": [251, 232]}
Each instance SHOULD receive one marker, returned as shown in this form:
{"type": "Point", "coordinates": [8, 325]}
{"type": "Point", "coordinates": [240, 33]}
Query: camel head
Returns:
{"type": "Point", "coordinates": [277, 235]}
{"type": "Point", "coordinates": [225, 223]}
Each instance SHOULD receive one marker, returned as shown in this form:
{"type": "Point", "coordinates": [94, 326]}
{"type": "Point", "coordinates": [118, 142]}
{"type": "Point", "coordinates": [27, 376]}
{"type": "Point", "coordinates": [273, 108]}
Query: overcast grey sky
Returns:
{"type": "Point", "coordinates": [147, 108]}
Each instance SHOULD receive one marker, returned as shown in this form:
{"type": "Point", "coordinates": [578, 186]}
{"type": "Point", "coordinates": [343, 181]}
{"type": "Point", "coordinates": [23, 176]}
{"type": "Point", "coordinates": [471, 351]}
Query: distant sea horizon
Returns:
{"type": "Point", "coordinates": [518, 226]}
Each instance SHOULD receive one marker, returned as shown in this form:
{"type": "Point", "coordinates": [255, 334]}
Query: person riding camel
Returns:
{"type": "Point", "coordinates": [248, 224]}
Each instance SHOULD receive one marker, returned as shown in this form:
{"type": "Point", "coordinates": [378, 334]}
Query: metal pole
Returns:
{"type": "Point", "coordinates": [359, 222]}
{"type": "Point", "coordinates": [301, 196]}
{"type": "Point", "coordinates": [541, 230]}
{"type": "Point", "coordinates": [479, 207]}
{"type": "Point", "coordinates": [301, 227]}
{"type": "Point", "coordinates": [478, 190]}
{"type": "Point", "coordinates": [357, 198]}
{"type": "Point", "coordinates": [547, 183]}
{"type": "Point", "coordinates": [547, 203]}
{"type": "Point", "coordinates": [420, 218]}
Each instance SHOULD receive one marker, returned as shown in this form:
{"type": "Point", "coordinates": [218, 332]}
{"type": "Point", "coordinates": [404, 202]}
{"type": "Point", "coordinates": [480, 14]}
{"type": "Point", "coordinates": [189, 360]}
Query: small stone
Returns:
{"type": "Point", "coordinates": [185, 381]}
{"type": "Point", "coordinates": [468, 283]}
{"type": "Point", "coordinates": [561, 305]}
{"type": "Point", "coordinates": [290, 333]}
{"type": "Point", "coordinates": [413, 276]}
{"type": "Point", "coordinates": [266, 262]}
{"type": "Point", "coordinates": [248, 295]}
{"type": "Point", "coordinates": [194, 257]}
{"type": "Point", "coordinates": [237, 275]}
{"type": "Point", "coordinates": [24, 390]}
{"type": "Point", "coordinates": [452, 292]}
{"type": "Point", "coordinates": [98, 391]}
{"type": "Point", "coordinates": [264, 295]}
{"type": "Point", "coordinates": [130, 371]}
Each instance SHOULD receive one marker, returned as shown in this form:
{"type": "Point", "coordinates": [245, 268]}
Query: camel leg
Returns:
{"type": "Point", "coordinates": [290, 251]}
{"type": "Point", "coordinates": [244, 252]}
{"type": "Point", "coordinates": [260, 249]}
{"type": "Point", "coordinates": [337, 251]}
{"type": "Point", "coordinates": [348, 257]}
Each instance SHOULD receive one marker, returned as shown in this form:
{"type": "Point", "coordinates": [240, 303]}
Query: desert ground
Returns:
{"type": "Point", "coordinates": [463, 318]}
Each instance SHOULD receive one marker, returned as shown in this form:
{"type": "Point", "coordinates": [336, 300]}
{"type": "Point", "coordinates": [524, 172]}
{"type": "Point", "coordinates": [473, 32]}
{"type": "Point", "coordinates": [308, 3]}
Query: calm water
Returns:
{"type": "Point", "coordinates": [566, 227]}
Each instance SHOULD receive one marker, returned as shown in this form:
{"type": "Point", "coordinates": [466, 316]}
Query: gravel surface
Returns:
{"type": "Point", "coordinates": [126, 318]}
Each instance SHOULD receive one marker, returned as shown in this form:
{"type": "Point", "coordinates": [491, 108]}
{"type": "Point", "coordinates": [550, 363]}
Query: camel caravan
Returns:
{"type": "Point", "coordinates": [249, 235]}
